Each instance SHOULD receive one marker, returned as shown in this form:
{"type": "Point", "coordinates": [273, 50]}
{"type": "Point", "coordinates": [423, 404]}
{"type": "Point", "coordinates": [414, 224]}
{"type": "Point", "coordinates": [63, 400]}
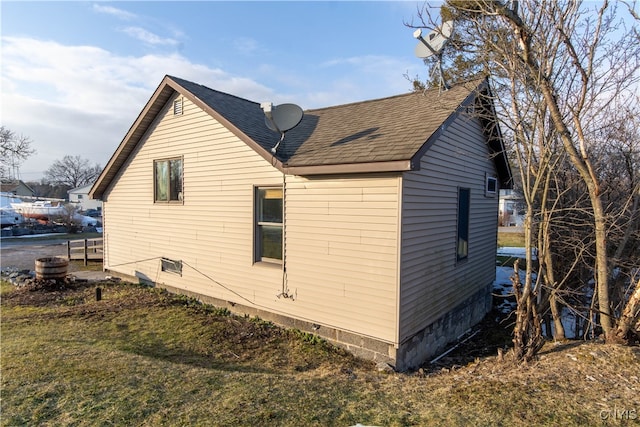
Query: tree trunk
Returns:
{"type": "Point", "coordinates": [602, 267]}
{"type": "Point", "coordinates": [546, 268]}
{"type": "Point", "coordinates": [579, 160]}
{"type": "Point", "coordinates": [630, 317]}
{"type": "Point", "coordinates": [527, 332]}
{"type": "Point", "coordinates": [556, 313]}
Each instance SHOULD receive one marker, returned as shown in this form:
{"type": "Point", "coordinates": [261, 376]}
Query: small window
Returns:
{"type": "Point", "coordinates": [177, 107]}
{"type": "Point", "coordinates": [171, 266]}
{"type": "Point", "coordinates": [464, 202]}
{"type": "Point", "coordinates": [491, 186]}
{"type": "Point", "coordinates": [269, 219]}
{"type": "Point", "coordinates": [168, 180]}
{"type": "Point", "coordinates": [79, 196]}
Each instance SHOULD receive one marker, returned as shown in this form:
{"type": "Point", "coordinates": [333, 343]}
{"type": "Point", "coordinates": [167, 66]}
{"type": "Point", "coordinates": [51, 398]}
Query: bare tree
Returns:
{"type": "Point", "coordinates": [14, 150]}
{"type": "Point", "coordinates": [594, 73]}
{"type": "Point", "coordinates": [559, 69]}
{"type": "Point", "coordinates": [73, 171]}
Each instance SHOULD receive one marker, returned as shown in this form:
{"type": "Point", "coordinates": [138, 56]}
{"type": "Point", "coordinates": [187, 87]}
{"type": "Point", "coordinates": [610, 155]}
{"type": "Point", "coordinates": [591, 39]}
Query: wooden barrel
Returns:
{"type": "Point", "coordinates": [51, 268]}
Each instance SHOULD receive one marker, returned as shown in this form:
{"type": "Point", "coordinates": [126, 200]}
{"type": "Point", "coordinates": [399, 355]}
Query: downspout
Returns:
{"type": "Point", "coordinates": [399, 246]}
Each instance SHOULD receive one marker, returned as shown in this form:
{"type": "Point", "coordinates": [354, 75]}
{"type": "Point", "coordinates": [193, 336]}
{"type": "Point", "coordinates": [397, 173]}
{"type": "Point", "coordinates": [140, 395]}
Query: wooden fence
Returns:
{"type": "Point", "coordinates": [85, 249]}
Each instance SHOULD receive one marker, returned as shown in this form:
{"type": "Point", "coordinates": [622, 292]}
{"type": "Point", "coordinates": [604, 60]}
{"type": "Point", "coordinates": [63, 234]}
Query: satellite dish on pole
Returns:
{"type": "Point", "coordinates": [433, 44]}
{"type": "Point", "coordinates": [281, 118]}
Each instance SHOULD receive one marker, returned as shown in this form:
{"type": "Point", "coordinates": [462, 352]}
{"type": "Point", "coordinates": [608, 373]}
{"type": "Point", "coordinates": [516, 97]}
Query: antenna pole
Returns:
{"type": "Point", "coordinates": [442, 80]}
{"type": "Point", "coordinates": [281, 119]}
{"type": "Point", "coordinates": [275, 148]}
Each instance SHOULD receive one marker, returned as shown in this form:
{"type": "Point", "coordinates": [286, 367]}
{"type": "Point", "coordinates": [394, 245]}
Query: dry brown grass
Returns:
{"type": "Point", "coordinates": [144, 357]}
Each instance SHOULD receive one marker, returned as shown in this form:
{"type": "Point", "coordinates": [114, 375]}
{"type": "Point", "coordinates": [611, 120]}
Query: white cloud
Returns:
{"type": "Point", "coordinates": [140, 33]}
{"type": "Point", "coordinates": [83, 99]}
{"type": "Point", "coordinates": [149, 37]}
{"type": "Point", "coordinates": [118, 13]}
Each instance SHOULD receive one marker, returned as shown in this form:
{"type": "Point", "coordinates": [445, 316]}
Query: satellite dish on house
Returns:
{"type": "Point", "coordinates": [435, 40]}
{"type": "Point", "coordinates": [433, 45]}
{"type": "Point", "coordinates": [281, 118]}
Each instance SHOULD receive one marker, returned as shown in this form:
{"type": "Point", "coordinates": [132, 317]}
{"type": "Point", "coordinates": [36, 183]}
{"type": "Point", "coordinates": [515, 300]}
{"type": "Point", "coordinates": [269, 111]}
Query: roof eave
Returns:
{"type": "Point", "coordinates": [162, 94]}
{"type": "Point", "coordinates": [496, 143]}
{"type": "Point", "coordinates": [493, 135]}
{"type": "Point", "coordinates": [415, 159]}
{"type": "Point", "coordinates": [352, 168]}
{"type": "Point", "coordinates": [138, 129]}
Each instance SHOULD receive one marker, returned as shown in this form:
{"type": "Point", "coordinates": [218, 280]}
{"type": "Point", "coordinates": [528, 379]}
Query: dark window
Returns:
{"type": "Point", "coordinates": [464, 201]}
{"type": "Point", "coordinates": [168, 180]}
{"type": "Point", "coordinates": [269, 224]}
{"type": "Point", "coordinates": [171, 266]}
{"type": "Point", "coordinates": [491, 186]}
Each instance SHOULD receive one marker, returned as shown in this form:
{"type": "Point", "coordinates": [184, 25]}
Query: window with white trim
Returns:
{"type": "Point", "coordinates": [167, 180]}
{"type": "Point", "coordinates": [268, 223]}
{"type": "Point", "coordinates": [491, 185]}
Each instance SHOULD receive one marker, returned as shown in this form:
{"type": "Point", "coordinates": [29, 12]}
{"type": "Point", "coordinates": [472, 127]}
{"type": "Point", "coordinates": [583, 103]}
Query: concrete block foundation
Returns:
{"type": "Point", "coordinates": [432, 340]}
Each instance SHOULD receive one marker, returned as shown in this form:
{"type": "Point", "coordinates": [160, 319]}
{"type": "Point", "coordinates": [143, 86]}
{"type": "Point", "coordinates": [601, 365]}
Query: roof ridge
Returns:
{"type": "Point", "coordinates": [365, 101]}
{"type": "Point", "coordinates": [423, 93]}
{"type": "Point", "coordinates": [179, 80]}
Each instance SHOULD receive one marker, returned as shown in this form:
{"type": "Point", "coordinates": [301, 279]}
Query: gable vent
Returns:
{"type": "Point", "coordinates": [177, 107]}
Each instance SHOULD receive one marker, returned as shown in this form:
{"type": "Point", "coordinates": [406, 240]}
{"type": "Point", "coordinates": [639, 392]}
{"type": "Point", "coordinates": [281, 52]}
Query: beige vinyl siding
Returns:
{"type": "Point", "coordinates": [432, 281]}
{"type": "Point", "coordinates": [341, 251]}
{"type": "Point", "coordinates": [212, 230]}
{"type": "Point", "coordinates": [341, 232]}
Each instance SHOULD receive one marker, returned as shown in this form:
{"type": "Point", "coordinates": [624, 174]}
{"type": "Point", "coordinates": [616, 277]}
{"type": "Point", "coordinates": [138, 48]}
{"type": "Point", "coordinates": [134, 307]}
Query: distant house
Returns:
{"type": "Point", "coordinates": [510, 209]}
{"type": "Point", "coordinates": [17, 188]}
{"type": "Point", "coordinates": [80, 197]}
{"type": "Point", "coordinates": [373, 225]}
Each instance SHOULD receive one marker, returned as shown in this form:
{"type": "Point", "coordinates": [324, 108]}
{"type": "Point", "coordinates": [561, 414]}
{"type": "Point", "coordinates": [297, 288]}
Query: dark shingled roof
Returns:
{"type": "Point", "coordinates": [388, 134]}
{"type": "Point", "coordinates": [379, 130]}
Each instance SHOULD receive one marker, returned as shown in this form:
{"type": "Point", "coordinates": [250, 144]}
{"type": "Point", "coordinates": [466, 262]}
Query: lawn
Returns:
{"type": "Point", "coordinates": [143, 357]}
{"type": "Point", "coordinates": [510, 239]}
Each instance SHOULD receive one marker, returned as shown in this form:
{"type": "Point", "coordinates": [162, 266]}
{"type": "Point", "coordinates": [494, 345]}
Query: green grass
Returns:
{"type": "Point", "coordinates": [147, 358]}
{"type": "Point", "coordinates": [510, 239]}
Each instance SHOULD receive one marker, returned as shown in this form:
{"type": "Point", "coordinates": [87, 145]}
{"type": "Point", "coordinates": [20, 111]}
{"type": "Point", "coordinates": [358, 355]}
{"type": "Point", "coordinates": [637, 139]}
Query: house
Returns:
{"type": "Point", "coordinates": [373, 225]}
{"type": "Point", "coordinates": [510, 209]}
{"type": "Point", "coordinates": [80, 196]}
{"type": "Point", "coordinates": [17, 188]}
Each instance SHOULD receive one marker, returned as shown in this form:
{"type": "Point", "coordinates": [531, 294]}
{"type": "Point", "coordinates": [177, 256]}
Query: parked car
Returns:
{"type": "Point", "coordinates": [93, 213]}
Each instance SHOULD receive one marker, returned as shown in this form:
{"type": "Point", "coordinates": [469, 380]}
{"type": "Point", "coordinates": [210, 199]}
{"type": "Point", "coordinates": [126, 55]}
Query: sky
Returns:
{"type": "Point", "coordinates": [75, 75]}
